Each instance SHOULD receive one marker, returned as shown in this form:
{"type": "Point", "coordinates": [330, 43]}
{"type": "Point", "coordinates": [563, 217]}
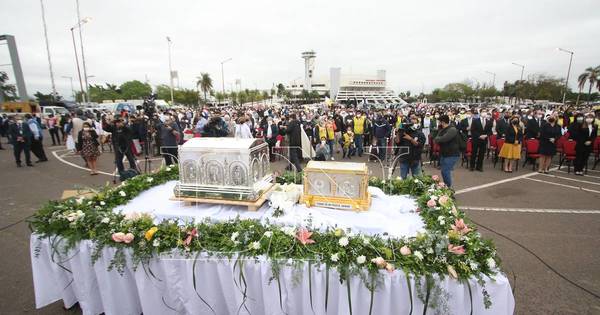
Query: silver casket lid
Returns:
{"type": "Point", "coordinates": [220, 144]}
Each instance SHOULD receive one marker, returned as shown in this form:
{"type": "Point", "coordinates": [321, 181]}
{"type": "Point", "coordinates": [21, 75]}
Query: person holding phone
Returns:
{"type": "Point", "coordinates": [87, 145]}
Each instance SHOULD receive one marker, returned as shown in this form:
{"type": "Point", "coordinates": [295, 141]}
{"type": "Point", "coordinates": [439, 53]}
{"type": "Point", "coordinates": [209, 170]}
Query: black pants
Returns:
{"type": "Point", "coordinates": [478, 153]}
{"type": "Point", "coordinates": [296, 157]}
{"type": "Point", "coordinates": [18, 148]}
{"type": "Point", "coordinates": [170, 155]}
{"type": "Point", "coordinates": [124, 152]}
{"type": "Point", "coordinates": [581, 157]}
{"type": "Point", "coordinates": [54, 134]}
{"type": "Point", "coordinates": [64, 135]}
{"type": "Point", "coordinates": [38, 149]}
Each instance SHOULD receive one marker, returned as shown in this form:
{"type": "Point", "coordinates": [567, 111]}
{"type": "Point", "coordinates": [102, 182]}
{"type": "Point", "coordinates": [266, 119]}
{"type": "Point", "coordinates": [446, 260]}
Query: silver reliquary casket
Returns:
{"type": "Point", "coordinates": [223, 168]}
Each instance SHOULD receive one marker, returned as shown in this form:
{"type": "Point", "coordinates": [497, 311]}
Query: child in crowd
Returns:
{"type": "Point", "coordinates": [348, 143]}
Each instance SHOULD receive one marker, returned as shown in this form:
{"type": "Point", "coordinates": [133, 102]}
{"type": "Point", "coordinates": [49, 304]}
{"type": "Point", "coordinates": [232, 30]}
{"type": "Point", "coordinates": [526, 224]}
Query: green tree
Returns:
{"type": "Point", "coordinates": [135, 90]}
{"type": "Point", "coordinates": [591, 76]}
{"type": "Point", "coordinates": [280, 90]}
{"type": "Point", "coordinates": [8, 91]}
{"type": "Point", "coordinates": [185, 96]}
{"type": "Point", "coordinates": [265, 95]}
{"type": "Point", "coordinates": [41, 97]}
{"type": "Point", "coordinates": [205, 83]}
{"type": "Point", "coordinates": [163, 92]}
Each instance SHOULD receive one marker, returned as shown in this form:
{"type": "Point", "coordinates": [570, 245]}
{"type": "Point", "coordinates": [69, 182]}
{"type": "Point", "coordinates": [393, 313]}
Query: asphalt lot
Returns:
{"type": "Point", "coordinates": [555, 217]}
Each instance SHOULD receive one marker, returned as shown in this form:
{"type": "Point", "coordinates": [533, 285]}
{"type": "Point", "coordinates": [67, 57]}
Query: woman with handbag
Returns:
{"type": "Point", "coordinates": [87, 146]}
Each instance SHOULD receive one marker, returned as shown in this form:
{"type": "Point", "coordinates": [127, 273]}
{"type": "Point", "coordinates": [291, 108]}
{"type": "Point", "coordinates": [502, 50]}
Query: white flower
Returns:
{"type": "Point", "coordinates": [80, 200]}
{"type": "Point", "coordinates": [236, 242]}
{"type": "Point", "coordinates": [473, 265]}
{"type": "Point", "coordinates": [361, 259]}
{"type": "Point", "coordinates": [156, 243]}
{"type": "Point", "coordinates": [102, 203]}
{"type": "Point", "coordinates": [418, 254]}
{"type": "Point", "coordinates": [491, 263]}
{"type": "Point", "coordinates": [343, 241]}
{"type": "Point", "coordinates": [122, 193]}
{"type": "Point", "coordinates": [255, 245]}
{"type": "Point", "coordinates": [433, 197]}
{"type": "Point", "coordinates": [268, 234]}
{"type": "Point", "coordinates": [149, 179]}
{"type": "Point", "coordinates": [429, 250]}
{"type": "Point", "coordinates": [335, 257]}
{"type": "Point", "coordinates": [105, 220]}
{"type": "Point", "coordinates": [289, 230]}
{"type": "Point", "coordinates": [234, 236]}
{"type": "Point", "coordinates": [366, 241]}
{"type": "Point", "coordinates": [289, 261]}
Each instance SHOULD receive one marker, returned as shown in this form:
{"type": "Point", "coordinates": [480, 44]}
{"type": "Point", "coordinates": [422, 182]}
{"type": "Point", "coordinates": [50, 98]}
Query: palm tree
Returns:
{"type": "Point", "coordinates": [205, 83]}
{"type": "Point", "coordinates": [592, 76]}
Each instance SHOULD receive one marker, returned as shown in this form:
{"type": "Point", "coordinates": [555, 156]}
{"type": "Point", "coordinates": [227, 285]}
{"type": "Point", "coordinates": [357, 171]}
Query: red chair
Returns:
{"type": "Point", "coordinates": [568, 154]}
{"type": "Point", "coordinates": [435, 154]}
{"type": "Point", "coordinates": [493, 142]}
{"type": "Point", "coordinates": [559, 145]}
{"type": "Point", "coordinates": [596, 151]}
{"type": "Point", "coordinates": [468, 153]}
{"type": "Point", "coordinates": [499, 144]}
{"type": "Point", "coordinates": [532, 147]}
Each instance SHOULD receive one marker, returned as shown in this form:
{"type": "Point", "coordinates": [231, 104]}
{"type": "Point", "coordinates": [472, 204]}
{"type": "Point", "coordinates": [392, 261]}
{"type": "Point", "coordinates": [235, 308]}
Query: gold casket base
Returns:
{"type": "Point", "coordinates": [340, 203]}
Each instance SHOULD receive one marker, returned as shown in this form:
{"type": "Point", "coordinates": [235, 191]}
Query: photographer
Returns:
{"type": "Point", "coordinates": [122, 141]}
{"type": "Point", "coordinates": [170, 136]}
{"type": "Point", "coordinates": [411, 136]}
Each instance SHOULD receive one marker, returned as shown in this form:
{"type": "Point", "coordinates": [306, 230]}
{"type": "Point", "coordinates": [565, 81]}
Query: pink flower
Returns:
{"type": "Point", "coordinates": [190, 234]}
{"type": "Point", "coordinates": [460, 227]}
{"type": "Point", "coordinates": [379, 261]}
{"type": "Point", "coordinates": [390, 268]}
{"type": "Point", "coordinates": [405, 250]}
{"type": "Point", "coordinates": [418, 209]}
{"type": "Point", "coordinates": [435, 178]}
{"type": "Point", "coordinates": [454, 211]}
{"type": "Point", "coordinates": [303, 235]}
{"type": "Point", "coordinates": [444, 200]}
{"type": "Point", "coordinates": [128, 238]}
{"type": "Point", "coordinates": [458, 250]}
{"type": "Point", "coordinates": [441, 185]}
{"type": "Point", "coordinates": [118, 237]}
{"type": "Point", "coordinates": [431, 203]}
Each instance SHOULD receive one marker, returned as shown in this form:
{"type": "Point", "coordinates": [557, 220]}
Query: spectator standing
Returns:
{"type": "Point", "coordinates": [87, 146]}
{"type": "Point", "coordinates": [381, 131]}
{"type": "Point", "coordinates": [271, 132]}
{"type": "Point", "coordinates": [481, 128]}
{"type": "Point", "coordinates": [413, 138]}
{"type": "Point", "coordinates": [549, 133]}
{"type": "Point", "coordinates": [52, 125]}
{"type": "Point", "coordinates": [169, 138]}
{"type": "Point", "coordinates": [37, 146]}
{"type": "Point", "coordinates": [534, 126]}
{"type": "Point", "coordinates": [449, 149]}
{"type": "Point", "coordinates": [511, 150]}
{"type": "Point", "coordinates": [295, 141]}
{"type": "Point", "coordinates": [348, 143]}
{"type": "Point", "coordinates": [359, 124]}
{"type": "Point", "coordinates": [122, 141]}
{"type": "Point", "coordinates": [583, 131]}
{"type": "Point", "coordinates": [20, 137]}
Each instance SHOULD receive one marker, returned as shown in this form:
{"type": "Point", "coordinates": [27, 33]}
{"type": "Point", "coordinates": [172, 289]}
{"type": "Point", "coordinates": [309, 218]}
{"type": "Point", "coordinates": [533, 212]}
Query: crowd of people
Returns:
{"type": "Point", "coordinates": [398, 137]}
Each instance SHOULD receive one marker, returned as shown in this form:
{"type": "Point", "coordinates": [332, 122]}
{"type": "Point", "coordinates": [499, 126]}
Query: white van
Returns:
{"type": "Point", "coordinates": [57, 111]}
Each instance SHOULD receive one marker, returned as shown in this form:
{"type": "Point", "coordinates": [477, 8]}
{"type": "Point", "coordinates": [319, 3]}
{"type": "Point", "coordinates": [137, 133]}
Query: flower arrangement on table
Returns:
{"type": "Point", "coordinates": [450, 246]}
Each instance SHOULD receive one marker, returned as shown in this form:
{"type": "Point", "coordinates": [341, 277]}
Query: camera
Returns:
{"type": "Point", "coordinates": [149, 105]}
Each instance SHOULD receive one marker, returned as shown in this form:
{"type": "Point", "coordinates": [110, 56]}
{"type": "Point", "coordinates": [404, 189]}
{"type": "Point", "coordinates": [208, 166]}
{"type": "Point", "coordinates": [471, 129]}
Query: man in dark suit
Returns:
{"type": "Point", "coordinates": [502, 124]}
{"type": "Point", "coordinates": [481, 129]}
{"type": "Point", "coordinates": [534, 126]}
{"type": "Point", "coordinates": [465, 125]}
{"type": "Point", "coordinates": [295, 140]}
{"type": "Point", "coordinates": [20, 137]}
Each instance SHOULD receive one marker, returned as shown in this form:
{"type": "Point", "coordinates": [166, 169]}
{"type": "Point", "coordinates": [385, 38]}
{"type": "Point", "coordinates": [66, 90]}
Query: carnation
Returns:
{"type": "Point", "coordinates": [156, 243]}
{"type": "Point", "coordinates": [343, 241]}
{"type": "Point", "coordinates": [491, 263]}
{"type": "Point", "coordinates": [255, 245]}
{"type": "Point", "coordinates": [102, 203]}
{"type": "Point", "coordinates": [361, 259]}
{"type": "Point", "coordinates": [473, 265]}
{"type": "Point", "coordinates": [335, 257]}
{"type": "Point", "coordinates": [234, 236]}
{"type": "Point", "coordinates": [418, 255]}
{"type": "Point", "coordinates": [268, 234]}
{"type": "Point", "coordinates": [122, 193]}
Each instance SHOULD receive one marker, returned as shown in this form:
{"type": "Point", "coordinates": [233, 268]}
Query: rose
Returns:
{"type": "Point", "coordinates": [444, 200]}
{"type": "Point", "coordinates": [390, 268]}
{"type": "Point", "coordinates": [405, 250]}
{"type": "Point", "coordinates": [118, 237]}
{"type": "Point", "coordinates": [361, 259]}
{"type": "Point", "coordinates": [435, 178]}
{"type": "Point", "coordinates": [335, 257]}
{"type": "Point", "coordinates": [431, 203]}
{"type": "Point", "coordinates": [343, 241]}
{"type": "Point", "coordinates": [456, 249]}
{"type": "Point", "coordinates": [150, 233]}
{"type": "Point", "coordinates": [441, 185]}
{"type": "Point", "coordinates": [379, 261]}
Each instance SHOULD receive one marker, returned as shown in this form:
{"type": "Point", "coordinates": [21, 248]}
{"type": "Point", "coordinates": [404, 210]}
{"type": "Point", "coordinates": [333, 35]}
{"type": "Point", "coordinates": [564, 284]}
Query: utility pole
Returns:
{"type": "Point", "coordinates": [170, 69]}
{"type": "Point", "coordinates": [48, 50]}
{"type": "Point", "coordinates": [223, 74]}
{"type": "Point", "coordinates": [85, 76]}
{"type": "Point", "coordinates": [568, 73]}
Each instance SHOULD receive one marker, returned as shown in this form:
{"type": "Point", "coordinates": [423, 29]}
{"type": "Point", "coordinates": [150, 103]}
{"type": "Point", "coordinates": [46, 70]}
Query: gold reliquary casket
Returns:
{"type": "Point", "coordinates": [223, 168]}
{"type": "Point", "coordinates": [339, 185]}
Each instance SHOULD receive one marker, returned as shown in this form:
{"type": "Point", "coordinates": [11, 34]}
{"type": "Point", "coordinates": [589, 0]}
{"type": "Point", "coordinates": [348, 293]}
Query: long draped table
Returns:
{"type": "Point", "coordinates": [166, 287]}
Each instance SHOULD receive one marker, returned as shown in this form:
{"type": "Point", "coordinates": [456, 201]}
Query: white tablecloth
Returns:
{"type": "Point", "coordinates": [391, 214]}
{"type": "Point", "coordinates": [171, 290]}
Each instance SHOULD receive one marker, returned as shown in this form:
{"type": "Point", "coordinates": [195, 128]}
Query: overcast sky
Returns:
{"type": "Point", "coordinates": [421, 44]}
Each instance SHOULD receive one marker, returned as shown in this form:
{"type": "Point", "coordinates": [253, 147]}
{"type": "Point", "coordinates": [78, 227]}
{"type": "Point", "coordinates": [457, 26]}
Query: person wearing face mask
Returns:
{"type": "Point", "coordinates": [271, 132]}
{"type": "Point", "coordinates": [511, 150]}
{"type": "Point", "coordinates": [481, 129]}
{"type": "Point", "coordinates": [19, 135]}
{"type": "Point", "coordinates": [122, 141]}
{"type": "Point", "coordinates": [502, 124]}
{"type": "Point", "coordinates": [382, 131]}
{"type": "Point", "coordinates": [448, 140]}
{"type": "Point", "coordinates": [87, 145]}
{"type": "Point", "coordinates": [549, 134]}
{"type": "Point", "coordinates": [359, 125]}
{"type": "Point", "coordinates": [534, 125]}
{"type": "Point", "coordinates": [583, 131]}
{"type": "Point", "coordinates": [412, 138]}
{"type": "Point", "coordinates": [322, 150]}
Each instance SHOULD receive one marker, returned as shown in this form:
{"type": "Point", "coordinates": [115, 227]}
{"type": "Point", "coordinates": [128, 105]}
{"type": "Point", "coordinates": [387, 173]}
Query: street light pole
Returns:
{"type": "Point", "coordinates": [170, 69]}
{"type": "Point", "coordinates": [568, 72]}
{"type": "Point", "coordinates": [223, 74]}
{"type": "Point", "coordinates": [522, 69]}
{"type": "Point", "coordinates": [85, 76]}
{"type": "Point", "coordinates": [72, 89]}
{"type": "Point", "coordinates": [83, 96]}
{"type": "Point", "coordinates": [48, 50]}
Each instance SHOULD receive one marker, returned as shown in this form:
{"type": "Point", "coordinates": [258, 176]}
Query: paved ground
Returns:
{"type": "Point", "coordinates": [546, 228]}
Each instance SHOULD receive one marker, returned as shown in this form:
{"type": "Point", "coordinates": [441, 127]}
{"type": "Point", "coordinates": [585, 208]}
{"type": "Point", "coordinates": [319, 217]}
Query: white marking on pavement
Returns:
{"type": "Point", "coordinates": [573, 211]}
{"type": "Point", "coordinates": [563, 185]}
{"type": "Point", "coordinates": [590, 176]}
{"type": "Point", "coordinates": [75, 165]}
{"type": "Point", "coordinates": [466, 190]}
{"type": "Point", "coordinates": [571, 179]}
{"type": "Point", "coordinates": [589, 170]}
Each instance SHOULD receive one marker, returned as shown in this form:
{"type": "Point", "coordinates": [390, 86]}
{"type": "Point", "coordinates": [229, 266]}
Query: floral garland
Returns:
{"type": "Point", "coordinates": [450, 246]}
